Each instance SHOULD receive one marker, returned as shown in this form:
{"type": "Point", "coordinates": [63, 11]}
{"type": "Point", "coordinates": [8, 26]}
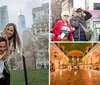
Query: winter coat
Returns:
{"type": "Point", "coordinates": [57, 30]}
{"type": "Point", "coordinates": [79, 33]}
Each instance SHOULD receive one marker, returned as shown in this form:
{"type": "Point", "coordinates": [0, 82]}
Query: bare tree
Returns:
{"type": "Point", "coordinates": [43, 43]}
{"type": "Point", "coordinates": [56, 8]}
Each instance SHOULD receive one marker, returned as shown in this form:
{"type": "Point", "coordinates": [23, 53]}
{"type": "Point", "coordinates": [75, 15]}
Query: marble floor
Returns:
{"type": "Point", "coordinates": [71, 77]}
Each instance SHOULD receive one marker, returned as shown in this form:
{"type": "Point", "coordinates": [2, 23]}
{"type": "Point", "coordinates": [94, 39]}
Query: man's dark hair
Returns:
{"type": "Point", "coordinates": [3, 39]}
{"type": "Point", "coordinates": [79, 10]}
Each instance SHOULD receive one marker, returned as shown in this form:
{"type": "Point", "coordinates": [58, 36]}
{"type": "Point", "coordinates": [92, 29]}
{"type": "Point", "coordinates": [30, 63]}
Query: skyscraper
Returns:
{"type": "Point", "coordinates": [21, 25]}
{"type": "Point", "coordinates": [21, 22]}
{"type": "Point", "coordinates": [3, 17]}
{"type": "Point", "coordinates": [39, 14]}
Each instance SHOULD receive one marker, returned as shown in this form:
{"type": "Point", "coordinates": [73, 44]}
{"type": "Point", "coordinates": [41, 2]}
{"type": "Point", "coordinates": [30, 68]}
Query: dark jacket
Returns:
{"type": "Point", "coordinates": [79, 33]}
{"type": "Point", "coordinates": [6, 73]}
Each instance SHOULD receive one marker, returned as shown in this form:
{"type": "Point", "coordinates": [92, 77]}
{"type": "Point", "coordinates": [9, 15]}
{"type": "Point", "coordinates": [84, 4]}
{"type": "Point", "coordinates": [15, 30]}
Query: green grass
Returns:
{"type": "Point", "coordinates": [35, 77]}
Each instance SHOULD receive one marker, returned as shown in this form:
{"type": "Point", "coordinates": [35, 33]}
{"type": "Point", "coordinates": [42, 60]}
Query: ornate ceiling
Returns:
{"type": "Point", "coordinates": [74, 46]}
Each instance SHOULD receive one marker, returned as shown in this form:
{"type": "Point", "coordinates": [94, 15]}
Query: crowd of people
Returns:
{"type": "Point", "coordinates": [43, 66]}
{"type": "Point", "coordinates": [73, 28]}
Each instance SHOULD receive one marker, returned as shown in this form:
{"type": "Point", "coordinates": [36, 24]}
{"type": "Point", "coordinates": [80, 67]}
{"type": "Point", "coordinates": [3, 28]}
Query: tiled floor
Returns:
{"type": "Point", "coordinates": [79, 77]}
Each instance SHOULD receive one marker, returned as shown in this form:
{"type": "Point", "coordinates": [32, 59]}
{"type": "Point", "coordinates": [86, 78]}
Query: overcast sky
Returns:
{"type": "Point", "coordinates": [26, 6]}
{"type": "Point", "coordinates": [78, 4]}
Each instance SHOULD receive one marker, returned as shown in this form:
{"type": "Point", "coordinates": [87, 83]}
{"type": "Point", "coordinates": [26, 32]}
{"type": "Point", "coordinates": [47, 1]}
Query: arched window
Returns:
{"type": "Point", "coordinates": [80, 59]}
{"type": "Point", "coordinates": [75, 59]}
{"type": "Point", "coordinates": [70, 59]}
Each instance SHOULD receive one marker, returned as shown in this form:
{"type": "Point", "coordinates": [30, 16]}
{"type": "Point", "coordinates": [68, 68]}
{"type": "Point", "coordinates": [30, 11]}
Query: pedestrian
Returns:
{"type": "Point", "coordinates": [47, 66]}
{"type": "Point", "coordinates": [78, 67]}
{"type": "Point", "coordinates": [42, 66]}
{"type": "Point", "coordinates": [62, 29]}
{"type": "Point", "coordinates": [78, 21]}
{"type": "Point", "coordinates": [72, 67]}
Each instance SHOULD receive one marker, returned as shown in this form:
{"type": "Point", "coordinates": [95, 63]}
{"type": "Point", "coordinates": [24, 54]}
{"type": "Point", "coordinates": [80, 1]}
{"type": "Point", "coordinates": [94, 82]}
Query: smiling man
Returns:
{"type": "Point", "coordinates": [3, 57]}
{"type": "Point", "coordinates": [3, 45]}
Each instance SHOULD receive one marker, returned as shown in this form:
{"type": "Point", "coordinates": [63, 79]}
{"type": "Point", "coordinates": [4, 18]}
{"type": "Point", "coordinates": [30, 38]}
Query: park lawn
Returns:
{"type": "Point", "coordinates": [35, 77]}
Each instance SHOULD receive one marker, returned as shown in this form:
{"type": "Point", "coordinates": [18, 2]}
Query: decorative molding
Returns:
{"type": "Point", "coordinates": [58, 50]}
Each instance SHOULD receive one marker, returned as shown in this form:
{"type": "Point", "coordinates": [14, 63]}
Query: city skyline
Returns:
{"type": "Point", "coordinates": [25, 6]}
{"type": "Point", "coordinates": [3, 17]}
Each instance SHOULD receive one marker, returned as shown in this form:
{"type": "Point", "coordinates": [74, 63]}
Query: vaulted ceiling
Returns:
{"type": "Point", "coordinates": [75, 46]}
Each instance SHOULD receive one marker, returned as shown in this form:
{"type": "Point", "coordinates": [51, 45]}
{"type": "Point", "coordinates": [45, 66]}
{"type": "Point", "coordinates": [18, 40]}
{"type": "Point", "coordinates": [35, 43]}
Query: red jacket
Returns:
{"type": "Point", "coordinates": [57, 30]}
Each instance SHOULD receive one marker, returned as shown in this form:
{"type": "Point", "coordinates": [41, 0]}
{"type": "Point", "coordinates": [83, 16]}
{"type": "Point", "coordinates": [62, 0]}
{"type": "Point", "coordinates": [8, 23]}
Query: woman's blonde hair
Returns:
{"type": "Point", "coordinates": [64, 13]}
{"type": "Point", "coordinates": [15, 38]}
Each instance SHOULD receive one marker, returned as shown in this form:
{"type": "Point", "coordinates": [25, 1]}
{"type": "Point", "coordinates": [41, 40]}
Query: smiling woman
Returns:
{"type": "Point", "coordinates": [11, 34]}
{"type": "Point", "coordinates": [62, 29]}
{"type": "Point", "coordinates": [10, 31]}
